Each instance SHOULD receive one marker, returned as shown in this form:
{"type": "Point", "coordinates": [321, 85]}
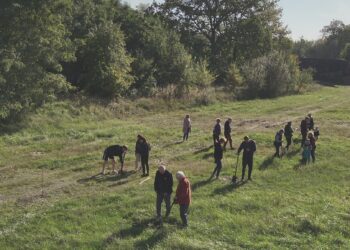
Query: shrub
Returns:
{"type": "Point", "coordinates": [233, 78]}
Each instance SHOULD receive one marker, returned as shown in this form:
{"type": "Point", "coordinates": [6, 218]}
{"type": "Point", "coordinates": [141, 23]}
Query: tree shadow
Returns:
{"type": "Point", "coordinates": [106, 178]}
{"type": "Point", "coordinates": [200, 184]}
{"type": "Point", "coordinates": [229, 188]}
{"type": "Point", "coordinates": [267, 162]}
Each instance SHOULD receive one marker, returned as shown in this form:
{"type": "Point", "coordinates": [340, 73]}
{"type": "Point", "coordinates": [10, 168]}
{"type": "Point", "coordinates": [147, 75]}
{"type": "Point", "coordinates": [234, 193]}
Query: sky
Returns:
{"type": "Point", "coordinates": [304, 18]}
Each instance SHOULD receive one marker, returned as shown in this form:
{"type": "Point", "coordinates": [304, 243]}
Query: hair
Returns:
{"type": "Point", "coordinates": [289, 123]}
{"type": "Point", "coordinates": [180, 174]}
{"type": "Point", "coordinates": [222, 140]}
{"type": "Point", "coordinates": [282, 130]}
{"type": "Point", "coordinates": [310, 134]}
{"type": "Point", "coordinates": [230, 119]}
{"type": "Point", "coordinates": [218, 120]}
{"type": "Point", "coordinates": [187, 116]}
{"type": "Point", "coordinates": [162, 167]}
{"type": "Point", "coordinates": [246, 137]}
{"type": "Point", "coordinates": [125, 147]}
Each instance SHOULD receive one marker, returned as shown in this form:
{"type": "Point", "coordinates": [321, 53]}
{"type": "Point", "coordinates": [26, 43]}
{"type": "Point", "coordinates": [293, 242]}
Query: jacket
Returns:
{"type": "Point", "coordinates": [227, 128]}
{"type": "Point", "coordinates": [183, 192]}
{"type": "Point", "coordinates": [288, 131]}
{"type": "Point", "coordinates": [144, 149]}
{"type": "Point", "coordinates": [186, 125]}
{"type": "Point", "coordinates": [303, 127]}
{"type": "Point", "coordinates": [163, 183]}
{"type": "Point", "coordinates": [248, 148]}
{"type": "Point", "coordinates": [218, 152]}
{"type": "Point", "coordinates": [217, 129]}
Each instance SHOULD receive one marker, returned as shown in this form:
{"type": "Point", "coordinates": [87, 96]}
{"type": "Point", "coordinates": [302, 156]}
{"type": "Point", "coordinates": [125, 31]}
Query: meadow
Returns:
{"type": "Point", "coordinates": [51, 198]}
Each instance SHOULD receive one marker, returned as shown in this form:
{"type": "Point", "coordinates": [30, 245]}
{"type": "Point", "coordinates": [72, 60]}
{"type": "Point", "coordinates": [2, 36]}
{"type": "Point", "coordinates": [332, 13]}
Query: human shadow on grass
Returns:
{"type": "Point", "coordinates": [203, 150]}
{"type": "Point", "coordinates": [267, 162]}
{"type": "Point", "coordinates": [296, 150]}
{"type": "Point", "coordinates": [173, 143]}
{"type": "Point", "coordinates": [229, 188]}
{"type": "Point", "coordinates": [105, 178]}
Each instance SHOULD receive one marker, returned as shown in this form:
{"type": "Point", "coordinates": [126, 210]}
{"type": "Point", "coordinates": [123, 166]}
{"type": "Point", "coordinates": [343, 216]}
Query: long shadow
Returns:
{"type": "Point", "coordinates": [294, 152]}
{"type": "Point", "coordinates": [266, 163]}
{"type": "Point", "coordinates": [173, 143]}
{"type": "Point", "coordinates": [203, 150]}
{"type": "Point", "coordinates": [229, 188]}
{"type": "Point", "coordinates": [207, 156]}
{"type": "Point", "coordinates": [152, 241]}
{"type": "Point", "coordinates": [200, 184]}
{"type": "Point", "coordinates": [105, 178]}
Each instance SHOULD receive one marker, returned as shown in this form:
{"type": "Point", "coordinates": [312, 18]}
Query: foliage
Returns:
{"type": "Point", "coordinates": [233, 77]}
{"type": "Point", "coordinates": [346, 52]}
{"type": "Point", "coordinates": [33, 43]}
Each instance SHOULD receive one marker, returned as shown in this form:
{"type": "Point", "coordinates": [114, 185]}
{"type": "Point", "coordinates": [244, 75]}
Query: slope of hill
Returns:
{"type": "Point", "coordinates": [287, 206]}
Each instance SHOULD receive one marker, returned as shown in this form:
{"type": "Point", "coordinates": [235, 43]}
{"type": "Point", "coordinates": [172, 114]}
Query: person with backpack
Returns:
{"type": "Point", "coordinates": [145, 148]}
{"type": "Point", "coordinates": [186, 127]}
{"type": "Point", "coordinates": [278, 142]}
{"type": "Point", "coordinates": [217, 131]}
{"type": "Point", "coordinates": [138, 152]}
{"type": "Point", "coordinates": [304, 129]}
{"type": "Point", "coordinates": [288, 134]}
{"type": "Point", "coordinates": [183, 196]}
{"type": "Point", "coordinates": [227, 133]}
{"type": "Point", "coordinates": [112, 151]}
{"type": "Point", "coordinates": [249, 148]}
{"type": "Point", "coordinates": [218, 155]}
{"type": "Point", "coordinates": [163, 185]}
{"type": "Point", "coordinates": [312, 139]}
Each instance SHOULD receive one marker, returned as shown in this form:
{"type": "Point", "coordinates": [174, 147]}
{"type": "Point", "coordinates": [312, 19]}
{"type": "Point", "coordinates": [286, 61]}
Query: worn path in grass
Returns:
{"type": "Point", "coordinates": [285, 207]}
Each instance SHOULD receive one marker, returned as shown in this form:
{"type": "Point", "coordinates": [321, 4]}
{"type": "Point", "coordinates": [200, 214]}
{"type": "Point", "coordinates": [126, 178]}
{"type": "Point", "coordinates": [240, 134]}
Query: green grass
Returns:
{"type": "Point", "coordinates": [285, 207]}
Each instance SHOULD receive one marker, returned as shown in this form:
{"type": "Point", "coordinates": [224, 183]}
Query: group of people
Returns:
{"type": "Point", "coordinates": [163, 183]}
{"type": "Point", "coordinates": [309, 136]}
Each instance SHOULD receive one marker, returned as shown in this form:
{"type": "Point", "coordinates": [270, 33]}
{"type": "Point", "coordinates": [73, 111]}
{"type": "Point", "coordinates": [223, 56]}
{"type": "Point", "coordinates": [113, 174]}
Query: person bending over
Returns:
{"type": "Point", "coordinates": [112, 151]}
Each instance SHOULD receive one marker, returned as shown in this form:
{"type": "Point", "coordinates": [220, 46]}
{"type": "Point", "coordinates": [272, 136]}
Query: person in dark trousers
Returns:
{"type": "Point", "coordinates": [138, 153]}
{"type": "Point", "coordinates": [183, 196]}
{"type": "Point", "coordinates": [187, 126]}
{"type": "Point", "coordinates": [217, 131]}
{"type": "Point", "coordinates": [249, 147]}
{"type": "Point", "coordinates": [288, 134]}
{"type": "Point", "coordinates": [312, 139]}
{"type": "Point", "coordinates": [278, 142]}
{"type": "Point", "coordinates": [316, 133]}
{"type": "Point", "coordinates": [227, 132]}
{"type": "Point", "coordinates": [163, 185]}
{"type": "Point", "coordinates": [310, 122]}
{"type": "Point", "coordinates": [145, 148]}
{"type": "Point", "coordinates": [218, 155]}
{"type": "Point", "coordinates": [304, 130]}
{"type": "Point", "coordinates": [112, 151]}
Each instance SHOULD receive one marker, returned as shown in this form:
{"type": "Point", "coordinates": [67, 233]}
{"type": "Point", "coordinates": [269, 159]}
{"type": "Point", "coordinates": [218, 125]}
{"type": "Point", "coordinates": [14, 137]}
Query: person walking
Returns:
{"type": "Point", "coordinates": [288, 134]}
{"type": "Point", "coordinates": [112, 151]}
{"type": "Point", "coordinates": [138, 153]}
{"type": "Point", "coordinates": [183, 196]}
{"type": "Point", "coordinates": [304, 130]}
{"type": "Point", "coordinates": [145, 148]}
{"type": "Point", "coordinates": [218, 155]}
{"type": "Point", "coordinates": [249, 147]}
{"type": "Point", "coordinates": [217, 131]}
{"type": "Point", "coordinates": [278, 142]}
{"type": "Point", "coordinates": [227, 132]}
{"type": "Point", "coordinates": [312, 139]}
{"type": "Point", "coordinates": [163, 185]}
{"type": "Point", "coordinates": [187, 126]}
{"type": "Point", "coordinates": [310, 122]}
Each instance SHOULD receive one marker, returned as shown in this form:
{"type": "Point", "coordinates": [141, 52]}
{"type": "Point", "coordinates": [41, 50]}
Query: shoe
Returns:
{"type": "Point", "coordinates": [250, 179]}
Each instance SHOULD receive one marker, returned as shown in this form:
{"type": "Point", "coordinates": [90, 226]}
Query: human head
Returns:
{"type": "Point", "coordinates": [316, 129]}
{"type": "Point", "coordinates": [187, 116]}
{"type": "Point", "coordinates": [310, 134]}
{"type": "Point", "coordinates": [229, 120]}
{"type": "Point", "coordinates": [125, 148]}
{"type": "Point", "coordinates": [161, 169]}
{"type": "Point", "coordinates": [309, 115]}
{"type": "Point", "coordinates": [222, 140]}
{"type": "Point", "coordinates": [218, 120]}
{"type": "Point", "coordinates": [289, 123]}
{"type": "Point", "coordinates": [246, 138]}
{"type": "Point", "coordinates": [180, 175]}
{"type": "Point", "coordinates": [281, 131]}
{"type": "Point", "coordinates": [307, 118]}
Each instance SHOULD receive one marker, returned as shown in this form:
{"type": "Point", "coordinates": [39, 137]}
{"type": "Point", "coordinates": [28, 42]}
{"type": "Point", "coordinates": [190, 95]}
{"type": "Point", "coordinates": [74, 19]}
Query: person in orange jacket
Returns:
{"type": "Point", "coordinates": [183, 196]}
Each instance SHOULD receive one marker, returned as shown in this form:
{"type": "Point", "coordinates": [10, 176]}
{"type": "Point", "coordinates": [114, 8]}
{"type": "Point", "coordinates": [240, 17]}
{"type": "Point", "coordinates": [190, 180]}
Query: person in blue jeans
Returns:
{"type": "Point", "coordinates": [218, 155]}
{"type": "Point", "coordinates": [163, 185]}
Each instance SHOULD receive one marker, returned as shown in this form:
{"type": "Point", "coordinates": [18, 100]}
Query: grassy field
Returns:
{"type": "Point", "coordinates": [287, 206]}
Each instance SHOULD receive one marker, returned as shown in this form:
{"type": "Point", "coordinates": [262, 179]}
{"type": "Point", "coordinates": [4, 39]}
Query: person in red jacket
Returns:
{"type": "Point", "coordinates": [183, 196]}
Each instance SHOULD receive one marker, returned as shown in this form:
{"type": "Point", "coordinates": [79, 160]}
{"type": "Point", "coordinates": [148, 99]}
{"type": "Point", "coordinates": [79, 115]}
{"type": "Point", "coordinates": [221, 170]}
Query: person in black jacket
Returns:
{"type": "Point", "coordinates": [217, 131]}
{"type": "Point", "coordinates": [163, 185]}
{"type": "Point", "coordinates": [227, 132]}
{"type": "Point", "coordinates": [112, 151]}
{"type": "Point", "coordinates": [137, 153]}
{"type": "Point", "coordinates": [218, 155]}
{"type": "Point", "coordinates": [311, 123]}
{"type": "Point", "coordinates": [304, 129]}
{"type": "Point", "coordinates": [145, 148]}
{"type": "Point", "coordinates": [249, 147]}
{"type": "Point", "coordinates": [288, 133]}
{"type": "Point", "coordinates": [278, 142]}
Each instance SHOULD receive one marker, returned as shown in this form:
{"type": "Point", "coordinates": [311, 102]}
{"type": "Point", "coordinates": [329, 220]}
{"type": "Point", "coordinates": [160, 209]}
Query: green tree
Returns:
{"type": "Point", "coordinates": [346, 52]}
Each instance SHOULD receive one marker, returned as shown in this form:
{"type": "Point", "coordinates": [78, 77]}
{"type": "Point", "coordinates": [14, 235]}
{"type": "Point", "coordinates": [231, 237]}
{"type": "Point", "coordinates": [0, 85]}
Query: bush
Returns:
{"type": "Point", "coordinates": [233, 78]}
{"type": "Point", "coordinates": [273, 75]}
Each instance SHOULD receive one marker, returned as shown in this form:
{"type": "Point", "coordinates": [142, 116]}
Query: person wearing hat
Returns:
{"type": "Point", "coordinates": [218, 155]}
{"type": "Point", "coordinates": [183, 196]}
{"type": "Point", "coordinates": [278, 142]}
{"type": "Point", "coordinates": [163, 185]}
{"type": "Point", "coordinates": [227, 133]}
{"type": "Point", "coordinates": [112, 151]}
{"type": "Point", "coordinates": [217, 131]}
{"type": "Point", "coordinates": [288, 133]}
{"type": "Point", "coordinates": [249, 147]}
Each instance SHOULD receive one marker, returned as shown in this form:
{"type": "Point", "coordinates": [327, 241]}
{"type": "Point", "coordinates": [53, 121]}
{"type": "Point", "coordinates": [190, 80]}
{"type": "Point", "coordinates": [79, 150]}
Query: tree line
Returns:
{"type": "Point", "coordinates": [107, 49]}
